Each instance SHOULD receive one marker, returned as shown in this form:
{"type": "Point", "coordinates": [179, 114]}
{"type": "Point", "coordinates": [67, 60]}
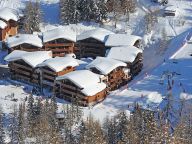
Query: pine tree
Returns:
{"type": "Point", "coordinates": [55, 136]}
{"type": "Point", "coordinates": [2, 132]}
{"type": "Point", "coordinates": [69, 13]}
{"type": "Point", "coordinates": [81, 133]}
{"type": "Point", "coordinates": [122, 126]}
{"type": "Point", "coordinates": [101, 11]}
{"type": "Point", "coordinates": [111, 131]}
{"type": "Point", "coordinates": [32, 17]}
{"type": "Point", "coordinates": [13, 125]}
{"type": "Point", "coordinates": [116, 10]}
{"type": "Point", "coordinates": [30, 115]}
{"type": "Point", "coordinates": [21, 125]}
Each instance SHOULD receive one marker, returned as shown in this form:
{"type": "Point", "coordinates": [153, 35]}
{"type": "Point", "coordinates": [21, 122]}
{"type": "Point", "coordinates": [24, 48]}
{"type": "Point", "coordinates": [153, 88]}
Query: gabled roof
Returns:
{"type": "Point", "coordinates": [98, 34]}
{"type": "Point", "coordinates": [87, 81]}
{"type": "Point", "coordinates": [125, 54]}
{"type": "Point", "coordinates": [31, 58]}
{"type": "Point", "coordinates": [105, 65]}
{"type": "Point", "coordinates": [9, 14]}
{"type": "Point", "coordinates": [2, 24]}
{"type": "Point", "coordinates": [121, 40]}
{"type": "Point", "coordinates": [59, 63]}
{"type": "Point", "coordinates": [60, 32]}
{"type": "Point", "coordinates": [19, 39]}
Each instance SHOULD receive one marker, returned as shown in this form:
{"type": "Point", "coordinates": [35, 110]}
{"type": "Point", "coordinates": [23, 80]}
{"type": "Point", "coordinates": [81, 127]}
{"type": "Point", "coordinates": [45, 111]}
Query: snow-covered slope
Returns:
{"type": "Point", "coordinates": [150, 87]}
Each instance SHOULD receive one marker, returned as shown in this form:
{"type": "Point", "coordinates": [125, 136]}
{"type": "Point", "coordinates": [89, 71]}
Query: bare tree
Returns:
{"type": "Point", "coordinates": [129, 6]}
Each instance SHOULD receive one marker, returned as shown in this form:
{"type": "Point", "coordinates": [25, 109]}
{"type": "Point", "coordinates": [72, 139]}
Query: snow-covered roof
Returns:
{"type": "Point", "coordinates": [2, 24]}
{"type": "Point", "coordinates": [98, 34]}
{"type": "Point", "coordinates": [59, 63]}
{"type": "Point", "coordinates": [60, 32]}
{"type": "Point", "coordinates": [121, 40]}
{"type": "Point", "coordinates": [125, 54]}
{"type": "Point", "coordinates": [172, 8]}
{"type": "Point", "coordinates": [19, 39]}
{"type": "Point", "coordinates": [105, 65]}
{"type": "Point", "coordinates": [9, 14]}
{"type": "Point", "coordinates": [87, 81]}
{"type": "Point", "coordinates": [31, 58]}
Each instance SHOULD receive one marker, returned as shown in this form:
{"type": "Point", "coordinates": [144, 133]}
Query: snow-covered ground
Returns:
{"type": "Point", "coordinates": [150, 87]}
{"type": "Point", "coordinates": [147, 89]}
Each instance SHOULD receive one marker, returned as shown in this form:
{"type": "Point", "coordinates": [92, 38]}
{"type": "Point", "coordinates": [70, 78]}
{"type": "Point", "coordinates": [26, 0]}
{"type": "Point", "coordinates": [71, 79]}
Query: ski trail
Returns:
{"type": "Point", "coordinates": [172, 27]}
{"type": "Point", "coordinates": [146, 72]}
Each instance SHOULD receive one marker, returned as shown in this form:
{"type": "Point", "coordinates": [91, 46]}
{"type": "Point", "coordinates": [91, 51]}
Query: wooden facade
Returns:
{"type": "Point", "coordinates": [49, 76]}
{"type": "Point", "coordinates": [25, 47]}
{"type": "Point", "coordinates": [9, 30]}
{"type": "Point", "coordinates": [60, 47]}
{"type": "Point", "coordinates": [67, 90]}
{"type": "Point", "coordinates": [137, 65]}
{"type": "Point", "coordinates": [114, 79]}
{"type": "Point", "coordinates": [90, 48]}
{"type": "Point", "coordinates": [20, 70]}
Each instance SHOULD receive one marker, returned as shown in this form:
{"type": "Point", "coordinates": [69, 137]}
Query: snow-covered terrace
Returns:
{"type": "Point", "coordinates": [19, 39]}
{"type": "Point", "coordinates": [115, 40]}
{"type": "Point", "coordinates": [59, 33]}
{"type": "Point", "coordinates": [125, 54]}
{"type": "Point", "coordinates": [105, 65]}
{"type": "Point", "coordinates": [99, 34]}
{"type": "Point", "coordinates": [59, 63]}
{"type": "Point", "coordinates": [31, 58]}
{"type": "Point", "coordinates": [87, 81]}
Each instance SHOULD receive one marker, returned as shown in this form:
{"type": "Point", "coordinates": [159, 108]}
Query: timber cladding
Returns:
{"type": "Point", "coordinates": [49, 76]}
{"type": "Point", "coordinates": [22, 71]}
{"type": "Point", "coordinates": [60, 47]}
{"type": "Point", "coordinates": [65, 89]}
{"type": "Point", "coordinates": [90, 48]}
{"type": "Point", "coordinates": [9, 30]}
{"type": "Point", "coordinates": [137, 64]}
{"type": "Point", "coordinates": [26, 47]}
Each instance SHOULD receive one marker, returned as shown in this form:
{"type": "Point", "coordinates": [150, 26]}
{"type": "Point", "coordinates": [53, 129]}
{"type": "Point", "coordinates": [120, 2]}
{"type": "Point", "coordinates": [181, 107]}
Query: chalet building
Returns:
{"type": "Point", "coordinates": [83, 87]}
{"type": "Point", "coordinates": [131, 55]}
{"type": "Point", "coordinates": [170, 11]}
{"type": "Point", "coordinates": [117, 40]}
{"type": "Point", "coordinates": [25, 42]}
{"type": "Point", "coordinates": [54, 67]}
{"type": "Point", "coordinates": [92, 43]}
{"type": "Point", "coordinates": [8, 23]}
{"type": "Point", "coordinates": [111, 69]}
{"type": "Point", "coordinates": [60, 41]}
{"type": "Point", "coordinates": [23, 64]}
